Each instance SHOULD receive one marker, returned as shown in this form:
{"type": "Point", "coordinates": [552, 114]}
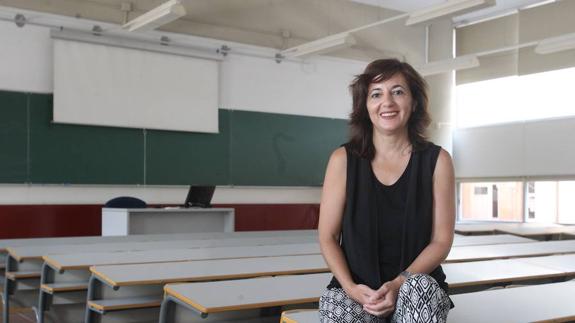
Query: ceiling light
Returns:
{"type": "Point", "coordinates": [447, 8]}
{"type": "Point", "coordinates": [321, 46]}
{"type": "Point", "coordinates": [161, 15]}
{"type": "Point", "coordinates": [454, 64]}
{"type": "Point", "coordinates": [556, 44]}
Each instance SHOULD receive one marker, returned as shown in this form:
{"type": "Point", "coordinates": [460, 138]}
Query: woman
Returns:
{"type": "Point", "coordinates": [388, 206]}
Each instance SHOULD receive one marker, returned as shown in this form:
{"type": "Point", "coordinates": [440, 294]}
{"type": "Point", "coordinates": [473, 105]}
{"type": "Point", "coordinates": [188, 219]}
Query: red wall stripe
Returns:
{"type": "Point", "coordinates": [34, 221]}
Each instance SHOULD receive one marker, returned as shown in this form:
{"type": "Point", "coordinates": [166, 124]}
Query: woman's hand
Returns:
{"type": "Point", "coordinates": [382, 303]}
{"type": "Point", "coordinates": [361, 293]}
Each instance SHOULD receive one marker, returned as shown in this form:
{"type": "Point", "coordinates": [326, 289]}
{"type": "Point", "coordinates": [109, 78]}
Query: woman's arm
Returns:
{"type": "Point", "coordinates": [330, 220]}
{"type": "Point", "coordinates": [441, 235]}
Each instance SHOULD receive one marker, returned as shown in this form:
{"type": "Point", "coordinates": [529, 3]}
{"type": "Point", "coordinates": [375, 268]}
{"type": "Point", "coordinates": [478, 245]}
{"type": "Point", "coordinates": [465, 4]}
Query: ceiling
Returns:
{"type": "Point", "coordinates": [277, 24]}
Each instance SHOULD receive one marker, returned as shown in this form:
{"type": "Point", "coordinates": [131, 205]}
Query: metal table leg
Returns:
{"type": "Point", "coordinates": [44, 298]}
{"type": "Point", "coordinates": [166, 310]}
{"type": "Point", "coordinates": [11, 265]}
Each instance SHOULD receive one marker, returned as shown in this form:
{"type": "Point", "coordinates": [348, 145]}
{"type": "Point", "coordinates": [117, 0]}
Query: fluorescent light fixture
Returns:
{"type": "Point", "coordinates": [447, 8]}
{"type": "Point", "coordinates": [455, 64]}
{"type": "Point", "coordinates": [321, 46]}
{"type": "Point", "coordinates": [556, 44]}
{"type": "Point", "coordinates": [161, 15]}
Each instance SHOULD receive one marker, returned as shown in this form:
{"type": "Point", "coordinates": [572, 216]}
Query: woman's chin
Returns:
{"type": "Point", "coordinates": [390, 128]}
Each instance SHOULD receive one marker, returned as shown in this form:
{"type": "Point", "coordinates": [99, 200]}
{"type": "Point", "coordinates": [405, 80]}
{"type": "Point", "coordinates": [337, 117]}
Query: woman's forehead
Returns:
{"type": "Point", "coordinates": [395, 79]}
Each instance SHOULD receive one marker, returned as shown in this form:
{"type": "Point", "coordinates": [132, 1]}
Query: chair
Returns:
{"type": "Point", "coordinates": [126, 202]}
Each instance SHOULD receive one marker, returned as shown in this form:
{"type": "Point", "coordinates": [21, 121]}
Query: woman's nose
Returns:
{"type": "Point", "coordinates": [387, 99]}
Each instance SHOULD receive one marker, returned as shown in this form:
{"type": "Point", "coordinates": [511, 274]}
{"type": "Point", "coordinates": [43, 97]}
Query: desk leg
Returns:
{"type": "Point", "coordinates": [166, 309]}
{"type": "Point", "coordinates": [166, 312]}
{"type": "Point", "coordinates": [90, 316]}
{"type": "Point", "coordinates": [44, 298]}
{"type": "Point", "coordinates": [11, 265]}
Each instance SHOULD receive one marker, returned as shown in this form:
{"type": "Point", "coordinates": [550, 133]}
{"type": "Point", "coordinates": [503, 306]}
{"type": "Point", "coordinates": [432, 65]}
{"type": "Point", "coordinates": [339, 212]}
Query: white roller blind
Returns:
{"type": "Point", "coordinates": [535, 148]}
{"type": "Point", "coordinates": [551, 20]}
{"type": "Point", "coordinates": [528, 25]}
{"type": "Point", "coordinates": [489, 35]}
{"type": "Point", "coordinates": [111, 86]}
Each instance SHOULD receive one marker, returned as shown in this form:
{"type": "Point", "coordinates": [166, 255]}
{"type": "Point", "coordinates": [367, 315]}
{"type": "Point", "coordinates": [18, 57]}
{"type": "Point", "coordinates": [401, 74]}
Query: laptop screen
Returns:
{"type": "Point", "coordinates": [200, 196]}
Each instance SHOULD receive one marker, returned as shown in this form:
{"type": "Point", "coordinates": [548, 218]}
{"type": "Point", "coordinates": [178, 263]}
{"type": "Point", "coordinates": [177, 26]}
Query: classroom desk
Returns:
{"type": "Point", "coordinates": [501, 271]}
{"type": "Point", "coordinates": [27, 258]}
{"type": "Point", "coordinates": [79, 261]}
{"type": "Point", "coordinates": [206, 298]}
{"type": "Point", "coordinates": [36, 252]}
{"type": "Point", "coordinates": [538, 303]}
{"type": "Point", "coordinates": [562, 262]}
{"type": "Point", "coordinates": [493, 227]}
{"type": "Point", "coordinates": [217, 297]}
{"type": "Point", "coordinates": [118, 222]}
{"type": "Point", "coordinates": [460, 240]}
{"type": "Point", "coordinates": [475, 229]}
{"type": "Point", "coordinates": [4, 244]}
{"type": "Point", "coordinates": [541, 233]}
{"type": "Point", "coordinates": [511, 250]}
{"type": "Point", "coordinates": [150, 237]}
{"type": "Point", "coordinates": [147, 280]}
{"type": "Point", "coordinates": [70, 272]}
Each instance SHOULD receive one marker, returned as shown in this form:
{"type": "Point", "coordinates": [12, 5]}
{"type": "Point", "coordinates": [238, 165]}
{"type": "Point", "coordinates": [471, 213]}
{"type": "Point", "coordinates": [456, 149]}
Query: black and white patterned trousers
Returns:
{"type": "Point", "coordinates": [420, 299]}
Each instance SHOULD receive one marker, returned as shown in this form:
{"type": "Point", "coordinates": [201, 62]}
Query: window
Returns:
{"type": "Point", "coordinates": [551, 202]}
{"type": "Point", "coordinates": [515, 98]}
{"type": "Point", "coordinates": [545, 201]}
{"type": "Point", "coordinates": [494, 201]}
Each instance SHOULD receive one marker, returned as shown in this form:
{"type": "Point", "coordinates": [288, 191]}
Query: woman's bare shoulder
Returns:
{"type": "Point", "coordinates": [338, 157]}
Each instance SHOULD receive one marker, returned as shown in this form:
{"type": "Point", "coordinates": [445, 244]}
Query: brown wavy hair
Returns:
{"type": "Point", "coordinates": [361, 128]}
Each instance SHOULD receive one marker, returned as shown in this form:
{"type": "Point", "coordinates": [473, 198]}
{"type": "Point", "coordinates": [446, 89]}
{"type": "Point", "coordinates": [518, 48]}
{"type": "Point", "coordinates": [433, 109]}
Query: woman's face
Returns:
{"type": "Point", "coordinates": [389, 104]}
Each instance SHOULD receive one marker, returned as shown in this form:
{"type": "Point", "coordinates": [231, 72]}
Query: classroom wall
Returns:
{"type": "Point", "coordinates": [286, 91]}
{"type": "Point", "coordinates": [247, 83]}
{"type": "Point", "coordinates": [316, 87]}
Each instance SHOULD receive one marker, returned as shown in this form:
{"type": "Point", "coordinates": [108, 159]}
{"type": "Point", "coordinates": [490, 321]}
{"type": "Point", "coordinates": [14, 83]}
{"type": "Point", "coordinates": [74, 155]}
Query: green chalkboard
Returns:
{"type": "Point", "coordinates": [82, 154]}
{"type": "Point", "coordinates": [277, 149]}
{"type": "Point", "coordinates": [189, 158]}
{"type": "Point", "coordinates": [13, 137]}
{"type": "Point", "coordinates": [251, 148]}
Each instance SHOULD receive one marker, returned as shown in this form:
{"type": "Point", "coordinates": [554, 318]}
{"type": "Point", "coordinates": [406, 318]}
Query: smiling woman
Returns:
{"type": "Point", "coordinates": [387, 209]}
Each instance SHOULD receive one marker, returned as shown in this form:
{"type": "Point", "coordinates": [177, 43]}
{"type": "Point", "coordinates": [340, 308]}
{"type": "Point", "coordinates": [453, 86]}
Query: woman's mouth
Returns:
{"type": "Point", "coordinates": [388, 115]}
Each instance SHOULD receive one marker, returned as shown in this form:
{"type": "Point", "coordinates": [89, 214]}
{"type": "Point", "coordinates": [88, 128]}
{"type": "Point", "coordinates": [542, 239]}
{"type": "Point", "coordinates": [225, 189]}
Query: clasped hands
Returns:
{"type": "Point", "coordinates": [380, 302]}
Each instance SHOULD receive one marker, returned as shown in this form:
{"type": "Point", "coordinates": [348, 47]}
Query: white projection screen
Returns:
{"type": "Point", "coordinates": [120, 87]}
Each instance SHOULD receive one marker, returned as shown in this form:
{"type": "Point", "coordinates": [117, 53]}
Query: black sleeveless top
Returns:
{"type": "Point", "coordinates": [384, 228]}
{"type": "Point", "coordinates": [390, 200]}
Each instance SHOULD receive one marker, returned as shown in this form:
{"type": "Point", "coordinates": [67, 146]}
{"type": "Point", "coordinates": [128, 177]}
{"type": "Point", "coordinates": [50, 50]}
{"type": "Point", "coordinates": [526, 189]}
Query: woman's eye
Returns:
{"type": "Point", "coordinates": [397, 92]}
{"type": "Point", "coordinates": [375, 95]}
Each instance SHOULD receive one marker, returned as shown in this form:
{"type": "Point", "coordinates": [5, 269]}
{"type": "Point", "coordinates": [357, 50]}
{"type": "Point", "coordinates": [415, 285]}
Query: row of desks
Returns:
{"type": "Point", "coordinates": [107, 280]}
{"type": "Point", "coordinates": [24, 263]}
{"type": "Point", "coordinates": [109, 249]}
{"type": "Point", "coordinates": [538, 303]}
{"type": "Point", "coordinates": [216, 297]}
{"type": "Point", "coordinates": [30, 250]}
{"type": "Point", "coordinates": [181, 271]}
{"type": "Point", "coordinates": [24, 259]}
{"type": "Point", "coordinates": [74, 261]}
